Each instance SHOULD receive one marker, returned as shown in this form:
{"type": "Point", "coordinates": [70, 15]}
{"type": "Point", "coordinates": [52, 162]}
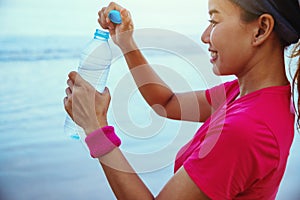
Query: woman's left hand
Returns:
{"type": "Point", "coordinates": [85, 105]}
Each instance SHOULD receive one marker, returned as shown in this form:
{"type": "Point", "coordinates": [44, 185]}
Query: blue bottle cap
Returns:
{"type": "Point", "coordinates": [102, 34]}
{"type": "Point", "coordinates": [115, 16]}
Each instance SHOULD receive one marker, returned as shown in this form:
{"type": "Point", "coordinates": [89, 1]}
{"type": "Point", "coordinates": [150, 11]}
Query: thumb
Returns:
{"type": "Point", "coordinates": [76, 78]}
{"type": "Point", "coordinates": [105, 91]}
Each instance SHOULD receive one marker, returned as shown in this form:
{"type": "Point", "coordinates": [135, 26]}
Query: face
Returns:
{"type": "Point", "coordinates": [229, 38]}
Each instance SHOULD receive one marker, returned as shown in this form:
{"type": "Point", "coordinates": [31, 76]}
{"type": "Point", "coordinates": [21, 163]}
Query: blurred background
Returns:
{"type": "Point", "coordinates": [40, 43]}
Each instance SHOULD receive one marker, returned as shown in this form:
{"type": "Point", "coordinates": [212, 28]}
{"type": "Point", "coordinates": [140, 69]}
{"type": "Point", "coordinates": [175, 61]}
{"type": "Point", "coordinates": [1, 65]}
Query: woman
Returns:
{"type": "Point", "coordinates": [241, 150]}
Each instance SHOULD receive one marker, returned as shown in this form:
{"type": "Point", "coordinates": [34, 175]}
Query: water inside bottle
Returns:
{"type": "Point", "coordinates": [70, 128]}
{"type": "Point", "coordinates": [97, 78]}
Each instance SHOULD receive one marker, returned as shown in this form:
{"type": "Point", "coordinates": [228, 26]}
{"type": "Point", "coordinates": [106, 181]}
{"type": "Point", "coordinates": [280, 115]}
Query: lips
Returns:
{"type": "Point", "coordinates": [213, 55]}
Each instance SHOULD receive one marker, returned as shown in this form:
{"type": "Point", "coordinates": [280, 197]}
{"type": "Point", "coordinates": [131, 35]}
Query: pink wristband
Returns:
{"type": "Point", "coordinates": [102, 141]}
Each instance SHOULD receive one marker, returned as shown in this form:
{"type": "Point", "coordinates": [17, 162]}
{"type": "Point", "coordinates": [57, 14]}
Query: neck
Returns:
{"type": "Point", "coordinates": [266, 69]}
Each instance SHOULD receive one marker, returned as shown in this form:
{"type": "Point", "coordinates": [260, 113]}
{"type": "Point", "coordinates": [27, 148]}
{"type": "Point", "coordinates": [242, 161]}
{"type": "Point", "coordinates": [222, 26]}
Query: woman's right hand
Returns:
{"type": "Point", "coordinates": [121, 33]}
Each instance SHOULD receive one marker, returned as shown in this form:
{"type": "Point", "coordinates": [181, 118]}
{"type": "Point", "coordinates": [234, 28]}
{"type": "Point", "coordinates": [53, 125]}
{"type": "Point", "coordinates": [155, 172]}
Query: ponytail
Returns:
{"type": "Point", "coordinates": [296, 82]}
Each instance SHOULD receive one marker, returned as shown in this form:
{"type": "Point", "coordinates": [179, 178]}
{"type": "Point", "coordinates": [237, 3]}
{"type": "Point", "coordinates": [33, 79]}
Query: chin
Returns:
{"type": "Point", "coordinates": [216, 70]}
{"type": "Point", "coordinates": [221, 71]}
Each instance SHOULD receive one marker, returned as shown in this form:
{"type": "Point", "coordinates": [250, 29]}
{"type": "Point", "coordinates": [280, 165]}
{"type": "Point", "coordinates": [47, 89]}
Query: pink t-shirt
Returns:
{"type": "Point", "coordinates": [241, 151]}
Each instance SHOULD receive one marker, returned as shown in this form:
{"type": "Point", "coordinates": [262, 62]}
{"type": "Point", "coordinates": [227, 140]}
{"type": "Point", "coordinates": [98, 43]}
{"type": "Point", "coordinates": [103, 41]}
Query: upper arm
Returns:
{"type": "Point", "coordinates": [181, 186]}
{"type": "Point", "coordinates": [189, 106]}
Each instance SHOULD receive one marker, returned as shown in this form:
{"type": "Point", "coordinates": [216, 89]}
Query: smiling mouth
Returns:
{"type": "Point", "coordinates": [214, 56]}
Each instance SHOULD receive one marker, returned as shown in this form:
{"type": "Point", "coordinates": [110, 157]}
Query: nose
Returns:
{"type": "Point", "coordinates": [205, 37]}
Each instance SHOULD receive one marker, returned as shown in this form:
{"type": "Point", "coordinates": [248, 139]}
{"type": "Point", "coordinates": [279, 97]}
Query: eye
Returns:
{"type": "Point", "coordinates": [212, 22]}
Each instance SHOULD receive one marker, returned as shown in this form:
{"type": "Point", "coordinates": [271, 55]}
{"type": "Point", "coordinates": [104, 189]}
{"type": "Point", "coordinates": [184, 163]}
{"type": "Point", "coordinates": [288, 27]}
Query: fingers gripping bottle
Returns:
{"type": "Point", "coordinates": [94, 67]}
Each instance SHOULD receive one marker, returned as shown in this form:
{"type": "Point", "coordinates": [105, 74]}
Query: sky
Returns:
{"type": "Point", "coordinates": [57, 17]}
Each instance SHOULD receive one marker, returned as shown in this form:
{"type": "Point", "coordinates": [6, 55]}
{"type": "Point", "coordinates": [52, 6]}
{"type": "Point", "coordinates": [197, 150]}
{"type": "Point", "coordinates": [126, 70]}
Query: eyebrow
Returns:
{"type": "Point", "coordinates": [213, 11]}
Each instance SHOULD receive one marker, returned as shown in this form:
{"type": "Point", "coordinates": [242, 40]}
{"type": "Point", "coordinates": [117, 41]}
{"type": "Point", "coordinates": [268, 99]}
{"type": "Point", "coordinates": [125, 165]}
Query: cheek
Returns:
{"type": "Point", "coordinates": [222, 37]}
{"type": "Point", "coordinates": [224, 41]}
{"type": "Point", "coordinates": [227, 41]}
{"type": "Point", "coordinates": [233, 46]}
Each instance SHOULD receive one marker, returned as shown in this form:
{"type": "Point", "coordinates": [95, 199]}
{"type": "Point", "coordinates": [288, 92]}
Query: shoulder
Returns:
{"type": "Point", "coordinates": [264, 120]}
{"type": "Point", "coordinates": [268, 107]}
{"type": "Point", "coordinates": [274, 110]}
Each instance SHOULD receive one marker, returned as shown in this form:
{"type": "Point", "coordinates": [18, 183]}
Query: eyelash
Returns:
{"type": "Point", "coordinates": [212, 22]}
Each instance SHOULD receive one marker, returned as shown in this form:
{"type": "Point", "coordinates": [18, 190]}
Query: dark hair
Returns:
{"type": "Point", "coordinates": [296, 81]}
{"type": "Point", "coordinates": [249, 17]}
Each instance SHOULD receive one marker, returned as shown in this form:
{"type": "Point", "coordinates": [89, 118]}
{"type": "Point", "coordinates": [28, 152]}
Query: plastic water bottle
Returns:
{"type": "Point", "coordinates": [94, 67]}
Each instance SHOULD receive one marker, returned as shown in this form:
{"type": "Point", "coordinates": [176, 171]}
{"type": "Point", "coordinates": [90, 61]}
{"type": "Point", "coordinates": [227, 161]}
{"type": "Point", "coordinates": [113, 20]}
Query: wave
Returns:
{"type": "Point", "coordinates": [33, 48]}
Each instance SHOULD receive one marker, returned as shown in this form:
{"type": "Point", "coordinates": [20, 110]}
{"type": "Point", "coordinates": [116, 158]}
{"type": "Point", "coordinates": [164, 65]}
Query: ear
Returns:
{"type": "Point", "coordinates": [264, 28]}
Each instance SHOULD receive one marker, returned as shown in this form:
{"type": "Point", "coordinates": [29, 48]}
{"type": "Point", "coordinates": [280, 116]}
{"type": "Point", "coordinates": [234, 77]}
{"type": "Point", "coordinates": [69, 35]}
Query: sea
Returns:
{"type": "Point", "coordinates": [39, 161]}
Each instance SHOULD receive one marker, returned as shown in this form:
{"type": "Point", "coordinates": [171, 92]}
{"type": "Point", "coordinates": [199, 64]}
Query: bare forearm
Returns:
{"type": "Point", "coordinates": [122, 178]}
{"type": "Point", "coordinates": [151, 86]}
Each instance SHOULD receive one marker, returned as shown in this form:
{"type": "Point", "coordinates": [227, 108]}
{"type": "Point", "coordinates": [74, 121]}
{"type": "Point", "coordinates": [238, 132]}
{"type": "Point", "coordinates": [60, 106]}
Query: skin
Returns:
{"type": "Point", "coordinates": [255, 57]}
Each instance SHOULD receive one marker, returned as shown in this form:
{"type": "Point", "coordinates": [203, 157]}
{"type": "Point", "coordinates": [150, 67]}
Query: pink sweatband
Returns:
{"type": "Point", "coordinates": [102, 141]}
